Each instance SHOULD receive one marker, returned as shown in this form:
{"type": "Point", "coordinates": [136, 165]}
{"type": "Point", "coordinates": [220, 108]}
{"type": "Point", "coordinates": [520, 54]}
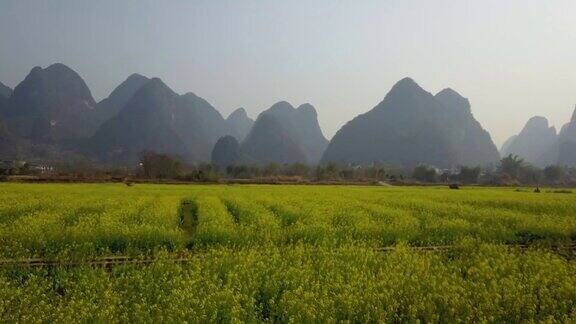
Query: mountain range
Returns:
{"type": "Point", "coordinates": [52, 117]}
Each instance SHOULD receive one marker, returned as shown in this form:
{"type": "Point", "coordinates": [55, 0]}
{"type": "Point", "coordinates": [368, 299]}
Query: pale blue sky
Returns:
{"type": "Point", "coordinates": [512, 58]}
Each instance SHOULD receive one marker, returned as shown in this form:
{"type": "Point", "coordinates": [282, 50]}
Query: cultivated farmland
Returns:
{"type": "Point", "coordinates": [285, 253]}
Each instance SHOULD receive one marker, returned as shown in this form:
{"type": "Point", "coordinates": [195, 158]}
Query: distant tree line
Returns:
{"type": "Point", "coordinates": [511, 170]}
{"type": "Point", "coordinates": [162, 166]}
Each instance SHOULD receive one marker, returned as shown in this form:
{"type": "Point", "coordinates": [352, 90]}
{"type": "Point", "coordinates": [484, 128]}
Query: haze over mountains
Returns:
{"type": "Point", "coordinates": [147, 122]}
{"type": "Point", "coordinates": [411, 126]}
{"type": "Point", "coordinates": [281, 134]}
{"type": "Point", "coordinates": [50, 106]}
{"type": "Point", "coordinates": [8, 143]}
{"type": "Point", "coordinates": [240, 123]}
{"type": "Point", "coordinates": [269, 141]}
{"type": "Point", "coordinates": [52, 117]}
{"type": "Point", "coordinates": [293, 133]}
{"type": "Point", "coordinates": [5, 91]}
{"type": "Point", "coordinates": [120, 96]}
{"type": "Point", "coordinates": [567, 143]}
{"type": "Point", "coordinates": [539, 144]}
{"type": "Point", "coordinates": [533, 142]}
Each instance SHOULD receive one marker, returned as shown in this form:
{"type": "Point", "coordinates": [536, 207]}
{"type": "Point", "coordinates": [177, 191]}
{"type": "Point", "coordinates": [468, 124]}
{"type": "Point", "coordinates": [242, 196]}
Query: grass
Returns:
{"type": "Point", "coordinates": [287, 253]}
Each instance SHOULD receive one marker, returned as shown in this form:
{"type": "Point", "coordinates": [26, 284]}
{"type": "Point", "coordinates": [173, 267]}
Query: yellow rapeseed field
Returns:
{"type": "Point", "coordinates": [287, 254]}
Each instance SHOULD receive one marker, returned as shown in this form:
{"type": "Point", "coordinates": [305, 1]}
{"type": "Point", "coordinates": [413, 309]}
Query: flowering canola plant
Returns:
{"type": "Point", "coordinates": [262, 253]}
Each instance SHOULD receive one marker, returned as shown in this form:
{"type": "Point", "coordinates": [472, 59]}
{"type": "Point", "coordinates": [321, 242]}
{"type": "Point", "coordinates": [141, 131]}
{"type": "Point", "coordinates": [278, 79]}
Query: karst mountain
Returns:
{"type": "Point", "coordinates": [119, 97]}
{"type": "Point", "coordinates": [240, 123]}
{"type": "Point", "coordinates": [284, 134]}
{"type": "Point", "coordinates": [540, 145]}
{"type": "Point", "coordinates": [533, 142]}
{"type": "Point", "coordinates": [158, 119]}
{"type": "Point", "coordinates": [567, 143]}
{"type": "Point", "coordinates": [410, 127]}
{"type": "Point", "coordinates": [52, 116]}
{"type": "Point", "coordinates": [5, 91]}
{"type": "Point", "coordinates": [51, 105]}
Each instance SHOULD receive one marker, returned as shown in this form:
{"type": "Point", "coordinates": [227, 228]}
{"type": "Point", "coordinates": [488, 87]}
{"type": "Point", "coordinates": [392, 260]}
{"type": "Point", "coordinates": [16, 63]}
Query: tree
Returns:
{"type": "Point", "coordinates": [375, 172]}
{"type": "Point", "coordinates": [243, 171]}
{"type": "Point", "coordinates": [468, 174]}
{"type": "Point", "coordinates": [329, 171]}
{"type": "Point", "coordinates": [445, 176]}
{"type": "Point", "coordinates": [297, 169]}
{"type": "Point", "coordinates": [424, 173]}
{"type": "Point", "coordinates": [204, 172]}
{"type": "Point", "coordinates": [159, 166]}
{"type": "Point", "coordinates": [553, 173]}
{"type": "Point", "coordinates": [271, 169]}
{"type": "Point", "coordinates": [512, 166]}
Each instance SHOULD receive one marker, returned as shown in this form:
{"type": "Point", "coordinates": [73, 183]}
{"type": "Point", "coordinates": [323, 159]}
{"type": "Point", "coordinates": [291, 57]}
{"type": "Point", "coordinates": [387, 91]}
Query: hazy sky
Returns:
{"type": "Point", "coordinates": [512, 58]}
